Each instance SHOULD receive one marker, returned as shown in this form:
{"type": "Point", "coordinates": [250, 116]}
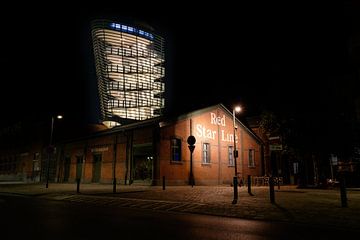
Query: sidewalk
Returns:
{"type": "Point", "coordinates": [308, 206]}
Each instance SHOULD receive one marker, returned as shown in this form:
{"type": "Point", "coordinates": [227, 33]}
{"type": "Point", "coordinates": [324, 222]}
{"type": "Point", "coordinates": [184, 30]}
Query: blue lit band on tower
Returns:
{"type": "Point", "coordinates": [130, 71]}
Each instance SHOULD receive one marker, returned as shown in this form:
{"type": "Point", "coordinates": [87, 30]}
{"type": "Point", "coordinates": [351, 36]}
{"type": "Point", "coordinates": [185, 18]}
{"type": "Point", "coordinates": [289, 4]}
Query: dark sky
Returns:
{"type": "Point", "coordinates": [289, 58]}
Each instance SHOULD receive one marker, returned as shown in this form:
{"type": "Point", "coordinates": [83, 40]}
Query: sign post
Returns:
{"type": "Point", "coordinates": [191, 141]}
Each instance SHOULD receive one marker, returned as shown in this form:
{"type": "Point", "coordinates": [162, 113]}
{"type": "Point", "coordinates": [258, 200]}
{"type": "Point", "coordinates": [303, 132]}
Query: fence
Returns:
{"type": "Point", "coordinates": [264, 181]}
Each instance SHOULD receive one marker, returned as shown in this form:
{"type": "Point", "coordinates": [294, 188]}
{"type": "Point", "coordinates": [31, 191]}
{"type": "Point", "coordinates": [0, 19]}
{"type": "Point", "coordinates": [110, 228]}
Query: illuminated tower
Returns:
{"type": "Point", "coordinates": [130, 71]}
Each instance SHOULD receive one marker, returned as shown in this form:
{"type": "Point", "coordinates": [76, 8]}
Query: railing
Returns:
{"type": "Point", "coordinates": [264, 181]}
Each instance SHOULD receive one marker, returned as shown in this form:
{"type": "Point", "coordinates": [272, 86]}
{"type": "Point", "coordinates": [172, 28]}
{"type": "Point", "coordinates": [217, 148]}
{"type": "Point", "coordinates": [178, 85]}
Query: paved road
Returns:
{"type": "Point", "coordinates": [293, 205]}
{"type": "Point", "coordinates": [27, 217]}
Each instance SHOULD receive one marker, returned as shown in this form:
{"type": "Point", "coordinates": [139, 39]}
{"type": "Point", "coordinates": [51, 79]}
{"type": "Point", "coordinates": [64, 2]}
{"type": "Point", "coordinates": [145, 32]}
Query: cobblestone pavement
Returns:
{"type": "Point", "coordinates": [308, 206]}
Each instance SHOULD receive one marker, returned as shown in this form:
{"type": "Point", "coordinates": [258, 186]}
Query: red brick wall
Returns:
{"type": "Point", "coordinates": [87, 149]}
{"type": "Point", "coordinates": [104, 146]}
{"type": "Point", "coordinates": [175, 173]}
{"type": "Point", "coordinates": [215, 127]}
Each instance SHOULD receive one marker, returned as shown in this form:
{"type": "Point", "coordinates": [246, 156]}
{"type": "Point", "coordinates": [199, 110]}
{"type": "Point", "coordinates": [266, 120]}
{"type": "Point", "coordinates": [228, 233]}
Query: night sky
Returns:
{"type": "Point", "coordinates": [292, 59]}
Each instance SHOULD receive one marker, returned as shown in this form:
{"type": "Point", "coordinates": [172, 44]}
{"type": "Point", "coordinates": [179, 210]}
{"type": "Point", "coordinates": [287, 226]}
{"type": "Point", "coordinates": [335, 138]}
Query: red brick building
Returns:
{"type": "Point", "coordinates": [147, 151]}
{"type": "Point", "coordinates": [142, 152]}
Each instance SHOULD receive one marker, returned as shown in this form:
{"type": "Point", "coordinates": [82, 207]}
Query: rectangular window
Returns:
{"type": "Point", "coordinates": [231, 155]}
{"type": "Point", "coordinates": [176, 149]}
{"type": "Point", "coordinates": [251, 157]}
{"type": "Point", "coordinates": [206, 153]}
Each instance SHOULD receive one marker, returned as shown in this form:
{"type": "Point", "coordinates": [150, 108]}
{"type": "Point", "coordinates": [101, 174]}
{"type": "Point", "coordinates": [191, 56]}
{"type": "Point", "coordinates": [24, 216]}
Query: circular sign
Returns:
{"type": "Point", "coordinates": [191, 140]}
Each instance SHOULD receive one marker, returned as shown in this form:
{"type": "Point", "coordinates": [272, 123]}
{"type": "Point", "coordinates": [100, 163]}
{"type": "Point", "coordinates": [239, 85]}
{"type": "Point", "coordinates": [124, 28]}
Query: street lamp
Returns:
{"type": "Point", "coordinates": [235, 181]}
{"type": "Point", "coordinates": [50, 148]}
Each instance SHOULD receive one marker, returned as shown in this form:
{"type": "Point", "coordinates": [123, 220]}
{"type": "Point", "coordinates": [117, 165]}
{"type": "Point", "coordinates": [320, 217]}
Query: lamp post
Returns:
{"type": "Point", "coordinates": [50, 148]}
{"type": "Point", "coordinates": [235, 180]}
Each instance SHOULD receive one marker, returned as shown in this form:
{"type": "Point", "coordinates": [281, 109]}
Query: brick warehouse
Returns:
{"type": "Point", "coordinates": [146, 151]}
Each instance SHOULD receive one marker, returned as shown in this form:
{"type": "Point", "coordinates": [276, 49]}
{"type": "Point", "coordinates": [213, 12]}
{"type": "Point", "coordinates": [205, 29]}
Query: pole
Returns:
{"type": "Point", "coordinates": [191, 141]}
{"type": "Point", "coordinates": [163, 182]}
{"type": "Point", "coordinates": [235, 155]}
{"type": "Point", "coordinates": [235, 180]}
{"type": "Point", "coordinates": [78, 185]}
{"type": "Point", "coordinates": [114, 185]}
{"type": "Point", "coordinates": [278, 169]}
{"type": "Point", "coordinates": [192, 182]}
{"type": "Point", "coordinates": [191, 172]}
{"type": "Point", "coordinates": [272, 192]}
{"type": "Point", "coordinates": [49, 152]}
{"type": "Point", "coordinates": [343, 191]}
{"type": "Point", "coordinates": [249, 185]}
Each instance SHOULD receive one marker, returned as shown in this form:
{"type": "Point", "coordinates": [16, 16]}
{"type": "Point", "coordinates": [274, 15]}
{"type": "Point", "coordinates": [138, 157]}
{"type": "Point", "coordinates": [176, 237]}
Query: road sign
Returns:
{"type": "Point", "coordinates": [191, 140]}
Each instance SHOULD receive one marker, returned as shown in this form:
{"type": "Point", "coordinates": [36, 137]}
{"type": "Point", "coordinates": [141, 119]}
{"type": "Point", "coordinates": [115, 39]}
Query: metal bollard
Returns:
{"type": "Point", "coordinates": [78, 185]}
{"type": "Point", "coordinates": [249, 184]}
{"type": "Point", "coordinates": [272, 192]}
{"type": "Point", "coordinates": [343, 192]}
{"type": "Point", "coordinates": [235, 190]}
{"type": "Point", "coordinates": [163, 182]}
{"type": "Point", "coordinates": [114, 185]}
{"type": "Point", "coordinates": [278, 182]}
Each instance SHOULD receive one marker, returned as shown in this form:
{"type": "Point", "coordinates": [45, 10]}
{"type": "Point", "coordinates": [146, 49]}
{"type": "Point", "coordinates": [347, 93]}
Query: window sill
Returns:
{"type": "Point", "coordinates": [206, 164]}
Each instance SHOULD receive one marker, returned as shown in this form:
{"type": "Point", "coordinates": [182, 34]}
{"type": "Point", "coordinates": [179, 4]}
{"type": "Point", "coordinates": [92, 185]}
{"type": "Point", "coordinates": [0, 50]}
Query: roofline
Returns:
{"type": "Point", "coordinates": [189, 114]}
{"type": "Point", "coordinates": [161, 123]}
{"type": "Point", "coordinates": [116, 129]}
{"type": "Point", "coordinates": [203, 110]}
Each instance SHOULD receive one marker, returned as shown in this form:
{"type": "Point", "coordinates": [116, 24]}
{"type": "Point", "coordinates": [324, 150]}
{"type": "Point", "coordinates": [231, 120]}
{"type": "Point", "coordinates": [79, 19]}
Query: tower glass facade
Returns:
{"type": "Point", "coordinates": [130, 70]}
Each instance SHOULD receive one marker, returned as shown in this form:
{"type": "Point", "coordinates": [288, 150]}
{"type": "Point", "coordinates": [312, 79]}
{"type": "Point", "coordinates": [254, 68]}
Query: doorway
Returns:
{"type": "Point", "coordinates": [143, 163]}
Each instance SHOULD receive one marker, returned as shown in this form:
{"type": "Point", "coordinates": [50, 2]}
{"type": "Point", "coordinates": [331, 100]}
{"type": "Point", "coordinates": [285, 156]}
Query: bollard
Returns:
{"type": "Point", "coordinates": [343, 192]}
{"type": "Point", "coordinates": [114, 185]}
{"type": "Point", "coordinates": [163, 182]}
{"type": "Point", "coordinates": [78, 185]}
{"type": "Point", "coordinates": [249, 184]}
{"type": "Point", "coordinates": [278, 182]}
{"type": "Point", "coordinates": [235, 191]}
{"type": "Point", "coordinates": [272, 192]}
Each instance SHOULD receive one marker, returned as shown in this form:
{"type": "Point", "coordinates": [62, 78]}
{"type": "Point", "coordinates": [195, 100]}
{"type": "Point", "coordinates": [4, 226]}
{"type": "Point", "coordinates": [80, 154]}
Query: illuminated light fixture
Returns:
{"type": "Point", "coordinates": [238, 109]}
{"type": "Point", "coordinates": [130, 72]}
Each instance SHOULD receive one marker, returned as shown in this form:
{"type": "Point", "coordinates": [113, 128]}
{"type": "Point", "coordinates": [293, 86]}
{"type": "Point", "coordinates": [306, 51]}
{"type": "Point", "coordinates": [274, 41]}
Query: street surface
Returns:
{"type": "Point", "coordinates": [29, 217]}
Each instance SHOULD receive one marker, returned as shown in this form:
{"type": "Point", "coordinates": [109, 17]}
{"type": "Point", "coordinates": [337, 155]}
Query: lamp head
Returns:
{"type": "Point", "coordinates": [237, 109]}
{"type": "Point", "coordinates": [59, 116]}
